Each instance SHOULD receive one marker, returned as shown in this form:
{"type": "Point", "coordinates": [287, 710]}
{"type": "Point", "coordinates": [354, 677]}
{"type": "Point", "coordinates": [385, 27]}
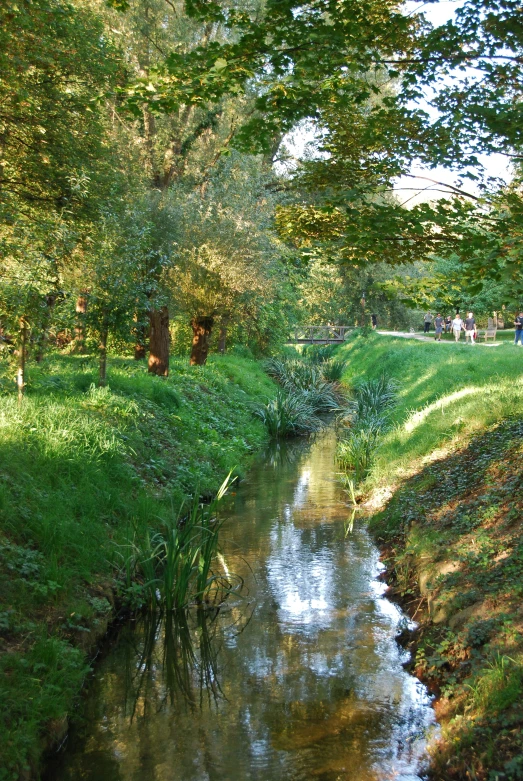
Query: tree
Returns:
{"type": "Point", "coordinates": [226, 256]}
{"type": "Point", "coordinates": [55, 60]}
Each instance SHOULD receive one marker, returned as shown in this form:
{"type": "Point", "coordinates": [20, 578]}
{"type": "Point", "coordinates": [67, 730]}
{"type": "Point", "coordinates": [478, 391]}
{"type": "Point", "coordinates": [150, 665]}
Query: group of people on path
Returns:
{"type": "Point", "coordinates": [456, 325]}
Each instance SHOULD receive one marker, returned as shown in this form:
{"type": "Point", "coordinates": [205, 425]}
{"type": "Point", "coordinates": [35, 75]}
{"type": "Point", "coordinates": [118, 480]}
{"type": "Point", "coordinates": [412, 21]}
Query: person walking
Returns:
{"type": "Point", "coordinates": [427, 320]}
{"type": "Point", "coordinates": [518, 322]}
{"type": "Point", "coordinates": [457, 327]}
{"type": "Point", "coordinates": [448, 324]}
{"type": "Point", "coordinates": [438, 325]}
{"type": "Point", "coordinates": [374, 321]}
{"type": "Point", "coordinates": [470, 328]}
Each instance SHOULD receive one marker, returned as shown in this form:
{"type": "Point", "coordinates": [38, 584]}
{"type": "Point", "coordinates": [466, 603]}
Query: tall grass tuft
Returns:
{"type": "Point", "coordinates": [176, 565]}
{"type": "Point", "coordinates": [333, 369]}
{"type": "Point", "coordinates": [363, 425]}
{"type": "Point", "coordinates": [288, 415]}
{"type": "Point", "coordinates": [375, 397]}
{"type": "Point", "coordinates": [319, 353]}
{"type": "Point", "coordinates": [306, 392]}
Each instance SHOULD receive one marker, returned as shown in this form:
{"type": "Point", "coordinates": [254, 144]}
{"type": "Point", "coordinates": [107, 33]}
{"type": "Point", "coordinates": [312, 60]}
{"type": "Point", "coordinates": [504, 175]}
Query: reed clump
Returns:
{"type": "Point", "coordinates": [362, 425]}
{"type": "Point", "coordinates": [178, 565]}
{"type": "Point", "coordinates": [289, 415]}
{"type": "Point", "coordinates": [309, 388]}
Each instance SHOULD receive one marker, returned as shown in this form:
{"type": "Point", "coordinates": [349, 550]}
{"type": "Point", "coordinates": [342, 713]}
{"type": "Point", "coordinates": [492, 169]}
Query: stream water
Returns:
{"type": "Point", "coordinates": [300, 679]}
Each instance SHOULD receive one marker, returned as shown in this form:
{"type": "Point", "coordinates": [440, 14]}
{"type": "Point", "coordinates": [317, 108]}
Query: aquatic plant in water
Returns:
{"type": "Point", "coordinates": [289, 414]}
{"type": "Point", "coordinates": [175, 566]}
{"type": "Point", "coordinates": [305, 393]}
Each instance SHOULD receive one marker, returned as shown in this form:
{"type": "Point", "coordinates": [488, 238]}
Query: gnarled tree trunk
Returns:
{"type": "Point", "coordinates": [201, 329]}
{"type": "Point", "coordinates": [159, 341]}
{"type": "Point", "coordinates": [224, 324]}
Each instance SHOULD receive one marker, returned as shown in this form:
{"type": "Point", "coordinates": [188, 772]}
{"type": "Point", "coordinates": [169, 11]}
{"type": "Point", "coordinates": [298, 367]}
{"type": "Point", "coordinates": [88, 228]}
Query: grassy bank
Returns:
{"type": "Point", "coordinates": [449, 478]}
{"type": "Point", "coordinates": [79, 466]}
{"type": "Point", "coordinates": [446, 393]}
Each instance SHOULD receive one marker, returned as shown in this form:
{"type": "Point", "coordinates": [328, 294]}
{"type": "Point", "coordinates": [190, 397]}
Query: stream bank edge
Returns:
{"type": "Point", "coordinates": [444, 504]}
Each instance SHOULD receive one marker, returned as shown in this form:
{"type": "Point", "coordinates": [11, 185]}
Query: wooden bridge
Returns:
{"type": "Point", "coordinates": [321, 334]}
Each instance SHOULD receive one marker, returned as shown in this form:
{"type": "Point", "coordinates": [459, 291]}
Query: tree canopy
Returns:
{"type": "Point", "coordinates": [138, 175]}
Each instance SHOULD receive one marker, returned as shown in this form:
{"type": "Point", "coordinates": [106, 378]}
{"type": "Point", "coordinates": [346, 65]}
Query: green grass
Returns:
{"type": "Point", "coordinates": [79, 467]}
{"type": "Point", "coordinates": [445, 394]}
{"type": "Point", "coordinates": [501, 336]}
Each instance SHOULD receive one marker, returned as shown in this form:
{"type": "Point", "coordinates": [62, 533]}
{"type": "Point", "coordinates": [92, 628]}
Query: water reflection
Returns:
{"type": "Point", "coordinates": [168, 657]}
{"type": "Point", "coordinates": [311, 688]}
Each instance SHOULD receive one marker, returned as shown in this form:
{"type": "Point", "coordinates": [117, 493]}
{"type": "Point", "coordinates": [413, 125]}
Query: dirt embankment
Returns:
{"type": "Point", "coordinates": [452, 537]}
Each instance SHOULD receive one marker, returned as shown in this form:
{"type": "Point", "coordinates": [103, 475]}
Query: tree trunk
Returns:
{"type": "Point", "coordinates": [50, 301]}
{"type": "Point", "coordinates": [140, 351]}
{"type": "Point", "coordinates": [102, 351]}
{"type": "Point", "coordinates": [201, 328]}
{"type": "Point", "coordinates": [79, 331]}
{"type": "Point", "coordinates": [22, 352]}
{"type": "Point", "coordinates": [159, 342]}
{"type": "Point", "coordinates": [222, 342]}
{"type": "Point", "coordinates": [141, 335]}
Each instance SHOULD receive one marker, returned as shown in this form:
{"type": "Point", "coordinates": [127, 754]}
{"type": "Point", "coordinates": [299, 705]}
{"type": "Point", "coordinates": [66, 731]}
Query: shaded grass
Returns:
{"type": "Point", "coordinates": [456, 558]}
{"type": "Point", "coordinates": [78, 467]}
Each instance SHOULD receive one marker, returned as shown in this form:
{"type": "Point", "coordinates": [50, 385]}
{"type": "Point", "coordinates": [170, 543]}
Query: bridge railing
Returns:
{"type": "Point", "coordinates": [322, 333]}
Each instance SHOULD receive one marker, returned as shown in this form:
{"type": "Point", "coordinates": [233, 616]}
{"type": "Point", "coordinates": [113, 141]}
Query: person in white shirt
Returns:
{"type": "Point", "coordinates": [470, 328]}
{"type": "Point", "coordinates": [457, 326]}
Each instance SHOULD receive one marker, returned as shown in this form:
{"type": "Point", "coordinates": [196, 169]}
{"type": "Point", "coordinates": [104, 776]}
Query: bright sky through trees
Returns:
{"type": "Point", "coordinates": [415, 190]}
{"type": "Point", "coordinates": [416, 187]}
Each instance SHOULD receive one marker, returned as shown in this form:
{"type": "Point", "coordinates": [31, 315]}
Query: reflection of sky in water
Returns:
{"type": "Point", "coordinates": [313, 685]}
{"type": "Point", "coordinates": [300, 580]}
{"type": "Point", "coordinates": [304, 580]}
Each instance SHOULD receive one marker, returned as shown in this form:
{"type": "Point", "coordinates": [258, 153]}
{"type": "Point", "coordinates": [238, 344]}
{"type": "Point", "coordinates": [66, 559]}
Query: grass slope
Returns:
{"type": "Point", "coordinates": [78, 466]}
{"type": "Point", "coordinates": [453, 533]}
{"type": "Point", "coordinates": [446, 392]}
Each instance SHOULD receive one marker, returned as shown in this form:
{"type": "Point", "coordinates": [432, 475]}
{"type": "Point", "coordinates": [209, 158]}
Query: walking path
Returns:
{"type": "Point", "coordinates": [423, 338]}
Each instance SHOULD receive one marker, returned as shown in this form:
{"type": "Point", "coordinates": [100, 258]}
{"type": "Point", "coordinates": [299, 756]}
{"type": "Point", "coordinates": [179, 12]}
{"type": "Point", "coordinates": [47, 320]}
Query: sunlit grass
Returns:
{"type": "Point", "coordinates": [444, 395]}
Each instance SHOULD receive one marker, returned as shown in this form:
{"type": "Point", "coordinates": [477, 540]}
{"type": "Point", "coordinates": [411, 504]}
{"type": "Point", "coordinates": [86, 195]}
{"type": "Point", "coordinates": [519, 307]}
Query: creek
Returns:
{"type": "Point", "coordinates": [299, 679]}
